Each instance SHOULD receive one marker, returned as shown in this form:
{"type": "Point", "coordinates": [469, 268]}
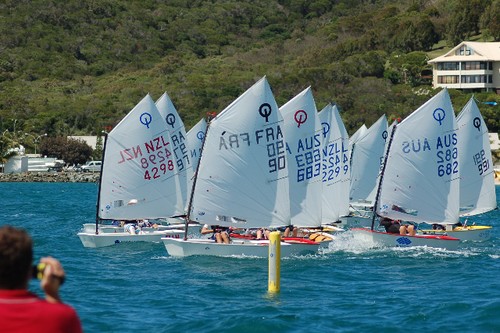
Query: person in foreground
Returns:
{"type": "Point", "coordinates": [21, 310]}
{"type": "Point", "coordinates": [396, 227]}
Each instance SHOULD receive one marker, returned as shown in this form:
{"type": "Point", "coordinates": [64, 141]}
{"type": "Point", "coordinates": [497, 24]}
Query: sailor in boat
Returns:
{"type": "Point", "coordinates": [131, 227]}
{"type": "Point", "coordinates": [287, 231]}
{"type": "Point", "coordinates": [263, 233]}
{"type": "Point", "coordinates": [458, 226]}
{"type": "Point", "coordinates": [436, 226]}
{"type": "Point", "coordinates": [253, 233]}
{"type": "Point", "coordinates": [134, 227]}
{"type": "Point", "coordinates": [397, 227]}
{"type": "Point", "coordinates": [218, 233]}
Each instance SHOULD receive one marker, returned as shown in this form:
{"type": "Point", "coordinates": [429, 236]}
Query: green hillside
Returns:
{"type": "Point", "coordinates": [74, 67]}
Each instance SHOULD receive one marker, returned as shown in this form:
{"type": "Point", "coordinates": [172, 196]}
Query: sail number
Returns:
{"type": "Point", "coordinates": [309, 165]}
{"type": "Point", "coordinates": [180, 151]}
{"type": "Point", "coordinates": [156, 165]}
{"type": "Point", "coordinates": [481, 162]}
{"type": "Point", "coordinates": [335, 162]}
{"type": "Point", "coordinates": [276, 155]}
{"type": "Point", "coordinates": [447, 161]}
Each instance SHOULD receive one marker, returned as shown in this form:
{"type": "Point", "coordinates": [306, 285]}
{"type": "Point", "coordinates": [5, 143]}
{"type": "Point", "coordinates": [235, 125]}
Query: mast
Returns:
{"type": "Point", "coordinates": [350, 171]}
{"type": "Point", "coordinates": [100, 184]}
{"type": "Point", "coordinates": [375, 204]}
{"type": "Point", "coordinates": [210, 116]}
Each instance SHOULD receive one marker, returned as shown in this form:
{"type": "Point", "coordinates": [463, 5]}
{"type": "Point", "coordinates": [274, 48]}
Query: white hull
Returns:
{"type": "Point", "coordinates": [470, 234]}
{"type": "Point", "coordinates": [90, 239]}
{"type": "Point", "coordinates": [383, 239]}
{"type": "Point", "coordinates": [107, 228]}
{"type": "Point", "coordinates": [253, 248]}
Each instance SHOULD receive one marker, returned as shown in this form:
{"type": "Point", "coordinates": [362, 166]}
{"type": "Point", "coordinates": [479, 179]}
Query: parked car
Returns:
{"type": "Point", "coordinates": [92, 166]}
{"type": "Point", "coordinates": [56, 165]}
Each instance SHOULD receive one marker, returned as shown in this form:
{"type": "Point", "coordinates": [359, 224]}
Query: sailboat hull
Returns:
{"type": "Point", "coordinates": [241, 247]}
{"type": "Point", "coordinates": [468, 233]}
{"type": "Point", "coordinates": [384, 239]}
{"type": "Point", "coordinates": [104, 239]}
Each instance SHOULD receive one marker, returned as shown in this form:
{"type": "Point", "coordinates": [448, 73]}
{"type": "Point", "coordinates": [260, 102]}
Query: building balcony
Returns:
{"type": "Point", "coordinates": [465, 85]}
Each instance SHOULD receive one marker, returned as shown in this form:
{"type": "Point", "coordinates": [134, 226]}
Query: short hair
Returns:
{"type": "Point", "coordinates": [16, 257]}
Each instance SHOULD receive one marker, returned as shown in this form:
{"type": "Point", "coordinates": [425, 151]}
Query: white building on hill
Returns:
{"type": "Point", "coordinates": [469, 66]}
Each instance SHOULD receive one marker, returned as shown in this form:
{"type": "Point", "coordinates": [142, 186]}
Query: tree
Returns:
{"type": "Point", "coordinates": [490, 21]}
{"type": "Point", "coordinates": [407, 68]}
{"type": "Point", "coordinates": [464, 21]}
{"type": "Point", "coordinates": [415, 32]}
{"type": "Point", "coordinates": [97, 152]}
{"type": "Point", "coordinates": [72, 151]}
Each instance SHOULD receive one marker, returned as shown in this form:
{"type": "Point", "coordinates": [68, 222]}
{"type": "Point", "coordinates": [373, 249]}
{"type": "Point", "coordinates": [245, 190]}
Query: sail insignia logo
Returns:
{"type": "Point", "coordinates": [403, 241]}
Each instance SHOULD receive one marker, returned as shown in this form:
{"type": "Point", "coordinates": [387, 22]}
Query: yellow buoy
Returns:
{"type": "Point", "coordinates": [274, 262]}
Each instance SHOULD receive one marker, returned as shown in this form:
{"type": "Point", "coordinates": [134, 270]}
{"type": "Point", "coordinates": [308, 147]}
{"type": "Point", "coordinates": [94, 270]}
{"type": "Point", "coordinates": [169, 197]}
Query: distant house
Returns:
{"type": "Point", "coordinates": [473, 66]}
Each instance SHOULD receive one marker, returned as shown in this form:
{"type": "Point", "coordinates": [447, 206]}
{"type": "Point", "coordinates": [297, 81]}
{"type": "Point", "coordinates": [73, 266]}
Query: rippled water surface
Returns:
{"type": "Point", "coordinates": [347, 288]}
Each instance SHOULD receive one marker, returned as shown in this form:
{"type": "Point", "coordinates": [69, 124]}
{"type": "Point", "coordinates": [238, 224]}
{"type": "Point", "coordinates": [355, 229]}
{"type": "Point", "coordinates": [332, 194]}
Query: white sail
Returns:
{"type": "Point", "coordinates": [421, 177]}
{"type": "Point", "coordinates": [195, 138]}
{"type": "Point", "coordinates": [359, 133]}
{"type": "Point", "coordinates": [477, 183]}
{"type": "Point", "coordinates": [366, 158]}
{"type": "Point", "coordinates": [138, 169]}
{"type": "Point", "coordinates": [304, 138]}
{"type": "Point", "coordinates": [335, 166]}
{"type": "Point", "coordinates": [241, 178]}
{"type": "Point", "coordinates": [180, 148]}
{"type": "Point", "coordinates": [353, 139]}
{"type": "Point", "coordinates": [373, 193]}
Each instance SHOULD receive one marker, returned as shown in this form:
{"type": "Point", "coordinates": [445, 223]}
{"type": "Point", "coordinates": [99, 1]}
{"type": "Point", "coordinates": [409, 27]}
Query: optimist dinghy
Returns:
{"type": "Point", "coordinates": [137, 177]}
{"type": "Point", "coordinates": [420, 176]}
{"type": "Point", "coordinates": [477, 184]}
{"type": "Point", "coordinates": [241, 179]}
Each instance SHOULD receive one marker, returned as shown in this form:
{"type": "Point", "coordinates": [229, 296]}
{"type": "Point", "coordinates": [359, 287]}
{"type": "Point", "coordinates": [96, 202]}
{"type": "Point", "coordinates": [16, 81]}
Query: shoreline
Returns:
{"type": "Point", "coordinates": [50, 177]}
{"type": "Point", "coordinates": [81, 177]}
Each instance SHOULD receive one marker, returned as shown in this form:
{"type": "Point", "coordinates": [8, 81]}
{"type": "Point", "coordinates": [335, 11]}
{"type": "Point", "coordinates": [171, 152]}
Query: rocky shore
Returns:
{"type": "Point", "coordinates": [51, 177]}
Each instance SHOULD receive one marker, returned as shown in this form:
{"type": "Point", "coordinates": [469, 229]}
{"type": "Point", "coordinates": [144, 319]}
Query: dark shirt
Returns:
{"type": "Point", "coordinates": [390, 226]}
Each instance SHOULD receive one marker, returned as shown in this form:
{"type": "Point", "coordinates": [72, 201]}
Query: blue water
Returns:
{"type": "Point", "coordinates": [348, 288]}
